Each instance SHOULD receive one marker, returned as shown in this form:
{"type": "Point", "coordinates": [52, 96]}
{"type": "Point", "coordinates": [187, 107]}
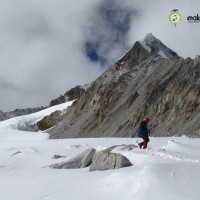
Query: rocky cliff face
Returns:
{"type": "Point", "coordinates": [149, 80]}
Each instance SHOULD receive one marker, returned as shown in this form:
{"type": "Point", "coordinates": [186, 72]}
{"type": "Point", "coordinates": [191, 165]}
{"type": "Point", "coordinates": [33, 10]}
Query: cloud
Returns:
{"type": "Point", "coordinates": [49, 46]}
{"type": "Point", "coordinates": [107, 32]}
{"type": "Point", "coordinates": [41, 50]}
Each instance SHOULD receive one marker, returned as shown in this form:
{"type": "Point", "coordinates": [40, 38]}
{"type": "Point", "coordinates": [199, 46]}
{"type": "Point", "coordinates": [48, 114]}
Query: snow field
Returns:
{"type": "Point", "coordinates": [153, 176]}
{"type": "Point", "coordinates": [168, 169]}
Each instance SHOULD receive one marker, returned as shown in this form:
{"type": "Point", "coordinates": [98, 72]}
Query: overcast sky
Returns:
{"type": "Point", "coordinates": [50, 46]}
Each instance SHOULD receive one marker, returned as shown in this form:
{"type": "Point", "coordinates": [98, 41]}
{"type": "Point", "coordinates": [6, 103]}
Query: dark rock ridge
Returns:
{"type": "Point", "coordinates": [150, 79]}
{"type": "Point", "coordinates": [72, 94]}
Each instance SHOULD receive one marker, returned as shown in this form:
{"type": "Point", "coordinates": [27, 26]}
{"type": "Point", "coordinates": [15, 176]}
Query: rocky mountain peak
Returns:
{"type": "Point", "coordinates": [150, 38]}
{"type": "Point", "coordinates": [150, 46]}
{"type": "Point", "coordinates": [155, 46]}
{"type": "Point", "coordinates": [135, 55]}
{"type": "Point", "coordinates": [149, 80]}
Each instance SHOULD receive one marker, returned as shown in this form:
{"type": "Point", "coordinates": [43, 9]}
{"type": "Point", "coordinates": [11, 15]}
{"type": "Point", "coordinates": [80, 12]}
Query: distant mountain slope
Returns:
{"type": "Point", "coordinates": [150, 79]}
{"type": "Point", "coordinates": [29, 122]}
{"type": "Point", "coordinates": [19, 112]}
{"type": "Point", "coordinates": [72, 94]}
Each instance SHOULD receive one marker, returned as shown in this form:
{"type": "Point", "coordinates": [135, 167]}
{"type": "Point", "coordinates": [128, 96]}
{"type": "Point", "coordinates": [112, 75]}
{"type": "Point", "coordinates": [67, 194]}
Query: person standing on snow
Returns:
{"type": "Point", "coordinates": [144, 133]}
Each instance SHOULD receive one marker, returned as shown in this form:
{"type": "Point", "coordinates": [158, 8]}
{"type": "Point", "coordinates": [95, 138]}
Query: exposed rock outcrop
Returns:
{"type": "Point", "coordinates": [106, 160]}
{"type": "Point", "coordinates": [50, 120]}
{"type": "Point", "coordinates": [57, 157]}
{"type": "Point", "coordinates": [100, 161]}
{"type": "Point", "coordinates": [81, 161]}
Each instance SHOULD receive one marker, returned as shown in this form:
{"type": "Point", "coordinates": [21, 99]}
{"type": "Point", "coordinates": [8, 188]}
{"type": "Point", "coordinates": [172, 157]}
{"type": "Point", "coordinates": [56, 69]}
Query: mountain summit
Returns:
{"type": "Point", "coordinates": [149, 47]}
{"type": "Point", "coordinates": [152, 44]}
{"type": "Point", "coordinates": [149, 80]}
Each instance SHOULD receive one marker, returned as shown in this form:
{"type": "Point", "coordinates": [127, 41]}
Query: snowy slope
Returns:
{"type": "Point", "coordinates": [13, 123]}
{"type": "Point", "coordinates": [168, 169]}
